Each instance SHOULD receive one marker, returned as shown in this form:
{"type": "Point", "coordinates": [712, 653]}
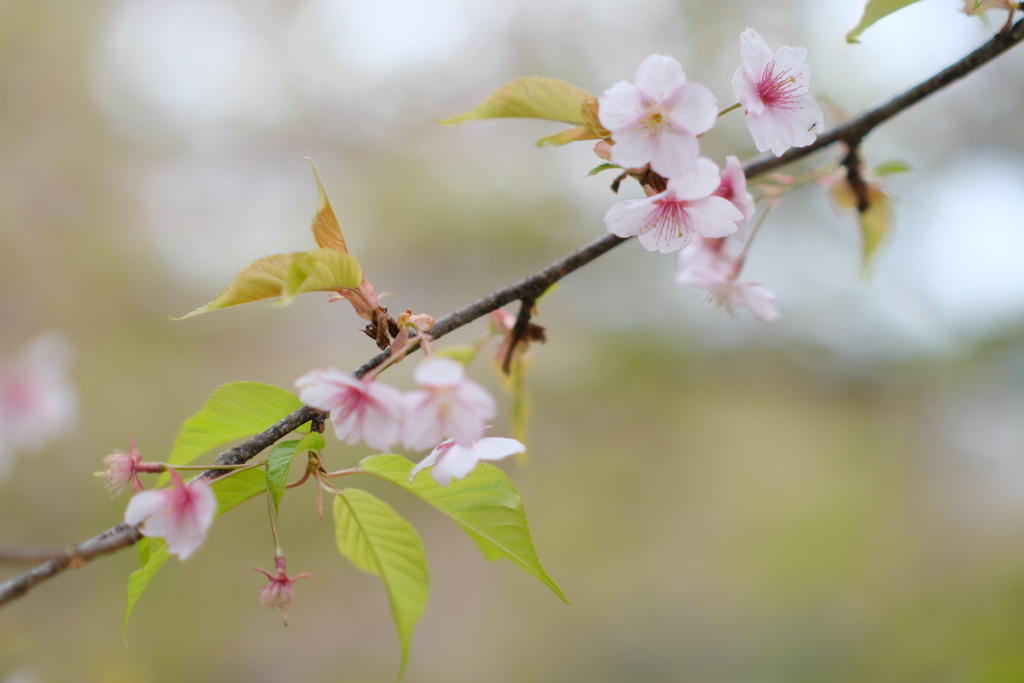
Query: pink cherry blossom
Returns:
{"type": "Point", "coordinates": [773, 92]}
{"type": "Point", "coordinates": [181, 515]}
{"type": "Point", "coordinates": [38, 402]}
{"type": "Point", "coordinates": [450, 406]}
{"type": "Point", "coordinates": [658, 119]}
{"type": "Point", "coordinates": [708, 265]}
{"type": "Point", "coordinates": [278, 594]}
{"type": "Point", "coordinates": [450, 459]}
{"type": "Point", "coordinates": [668, 221]}
{"type": "Point", "coordinates": [123, 468]}
{"type": "Point", "coordinates": [733, 187]}
{"type": "Point", "coordinates": [360, 409]}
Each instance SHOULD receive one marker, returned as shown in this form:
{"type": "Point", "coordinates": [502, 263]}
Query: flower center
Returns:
{"type": "Point", "coordinates": [655, 119]}
{"type": "Point", "coordinates": [670, 219]}
{"type": "Point", "coordinates": [778, 90]}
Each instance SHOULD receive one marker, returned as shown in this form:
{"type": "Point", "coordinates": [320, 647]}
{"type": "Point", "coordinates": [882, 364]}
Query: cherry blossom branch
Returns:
{"type": "Point", "coordinates": [851, 132]}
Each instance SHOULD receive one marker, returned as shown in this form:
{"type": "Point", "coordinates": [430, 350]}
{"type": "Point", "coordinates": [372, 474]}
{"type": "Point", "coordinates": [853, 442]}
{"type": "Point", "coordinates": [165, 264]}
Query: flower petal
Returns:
{"type": "Point", "coordinates": [700, 180]}
{"type": "Point", "coordinates": [619, 107]}
{"type": "Point", "coordinates": [627, 218]}
{"type": "Point", "coordinates": [439, 372]}
{"type": "Point", "coordinates": [658, 77]}
{"type": "Point", "coordinates": [754, 52]}
{"type": "Point", "coordinates": [713, 217]}
{"type": "Point", "coordinates": [695, 109]}
{"type": "Point", "coordinates": [675, 155]}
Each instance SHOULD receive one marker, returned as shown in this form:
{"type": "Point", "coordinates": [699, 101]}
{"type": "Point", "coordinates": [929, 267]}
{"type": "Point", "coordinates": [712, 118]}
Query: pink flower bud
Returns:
{"type": "Point", "coordinates": [278, 594]}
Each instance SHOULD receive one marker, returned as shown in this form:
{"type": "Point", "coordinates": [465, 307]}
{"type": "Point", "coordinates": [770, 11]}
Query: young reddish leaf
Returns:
{"type": "Point", "coordinates": [485, 504]}
{"type": "Point", "coordinates": [377, 540]}
{"type": "Point", "coordinates": [323, 270]}
{"type": "Point", "coordinates": [530, 97]}
{"type": "Point", "coordinates": [875, 10]}
{"type": "Point", "coordinates": [326, 230]}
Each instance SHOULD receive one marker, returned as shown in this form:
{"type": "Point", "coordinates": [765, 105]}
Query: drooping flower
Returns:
{"type": "Point", "coordinates": [733, 187]}
{"type": "Point", "coordinates": [360, 408]}
{"type": "Point", "coordinates": [123, 468]}
{"type": "Point", "coordinates": [708, 265]}
{"type": "Point", "coordinates": [657, 119]}
{"type": "Point", "coordinates": [38, 402]}
{"type": "Point", "coordinates": [278, 594]}
{"type": "Point", "coordinates": [668, 221]}
{"type": "Point", "coordinates": [181, 515]}
{"type": "Point", "coordinates": [449, 406]}
{"type": "Point", "coordinates": [450, 459]}
{"type": "Point", "coordinates": [773, 92]}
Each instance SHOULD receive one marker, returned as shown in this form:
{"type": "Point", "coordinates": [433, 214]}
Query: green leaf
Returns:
{"type": "Point", "coordinates": [377, 540]}
{"type": "Point", "coordinates": [326, 230]}
{"type": "Point", "coordinates": [279, 462]}
{"type": "Point", "coordinates": [152, 555]}
{"type": "Point", "coordinates": [323, 270]}
{"type": "Point", "coordinates": [892, 167]}
{"type": "Point", "coordinates": [530, 97]}
{"type": "Point", "coordinates": [601, 167]}
{"type": "Point", "coordinates": [875, 10]}
{"type": "Point", "coordinates": [234, 411]}
{"type": "Point", "coordinates": [235, 489]}
{"type": "Point", "coordinates": [287, 276]}
{"type": "Point", "coordinates": [485, 504]}
{"type": "Point", "coordinates": [231, 491]}
{"type": "Point", "coordinates": [875, 224]}
{"type": "Point", "coordinates": [564, 137]}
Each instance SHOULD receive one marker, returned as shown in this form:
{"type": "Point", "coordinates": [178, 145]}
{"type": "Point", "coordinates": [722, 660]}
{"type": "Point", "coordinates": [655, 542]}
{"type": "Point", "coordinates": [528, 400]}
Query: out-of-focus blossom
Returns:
{"type": "Point", "coordinates": [181, 515]}
{"type": "Point", "coordinates": [773, 92]}
{"type": "Point", "coordinates": [708, 265]}
{"type": "Point", "coordinates": [38, 402]}
{"type": "Point", "coordinates": [412, 326]}
{"type": "Point", "coordinates": [979, 6]}
{"type": "Point", "coordinates": [668, 221]}
{"type": "Point", "coordinates": [450, 406]}
{"type": "Point", "coordinates": [733, 187]}
{"type": "Point", "coordinates": [123, 468]}
{"type": "Point", "coordinates": [658, 119]}
{"type": "Point", "coordinates": [360, 409]}
{"type": "Point", "coordinates": [450, 459]}
{"type": "Point", "coordinates": [504, 322]}
{"type": "Point", "coordinates": [278, 594]}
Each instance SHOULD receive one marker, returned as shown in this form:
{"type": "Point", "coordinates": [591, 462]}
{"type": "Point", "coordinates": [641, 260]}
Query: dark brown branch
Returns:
{"type": "Point", "coordinates": [851, 132]}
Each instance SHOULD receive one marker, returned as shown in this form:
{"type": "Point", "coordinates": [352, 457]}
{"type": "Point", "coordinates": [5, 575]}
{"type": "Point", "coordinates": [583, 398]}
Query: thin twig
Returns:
{"type": "Point", "coordinates": [851, 131]}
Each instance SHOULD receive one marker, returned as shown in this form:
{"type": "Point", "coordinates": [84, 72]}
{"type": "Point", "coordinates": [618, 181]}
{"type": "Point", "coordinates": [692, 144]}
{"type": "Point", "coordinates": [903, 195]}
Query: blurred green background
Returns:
{"type": "Point", "coordinates": [836, 497]}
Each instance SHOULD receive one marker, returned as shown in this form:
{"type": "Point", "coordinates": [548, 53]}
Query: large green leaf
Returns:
{"type": "Point", "coordinates": [530, 97]}
{"type": "Point", "coordinates": [322, 270]}
{"type": "Point", "coordinates": [875, 10]}
{"type": "Point", "coordinates": [485, 504]}
{"type": "Point", "coordinates": [234, 411]}
{"type": "Point", "coordinates": [230, 491]}
{"type": "Point", "coordinates": [377, 540]}
{"type": "Point", "coordinates": [279, 462]}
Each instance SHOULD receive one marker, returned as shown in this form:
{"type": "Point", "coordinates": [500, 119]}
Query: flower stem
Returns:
{"type": "Point", "coordinates": [729, 109]}
{"type": "Point", "coordinates": [273, 524]}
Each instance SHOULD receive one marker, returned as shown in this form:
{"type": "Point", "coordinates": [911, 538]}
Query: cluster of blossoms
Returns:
{"type": "Point", "coordinates": [449, 408]}
{"type": "Point", "coordinates": [449, 414]}
{"type": "Point", "coordinates": [38, 403]}
{"type": "Point", "coordinates": [691, 206]}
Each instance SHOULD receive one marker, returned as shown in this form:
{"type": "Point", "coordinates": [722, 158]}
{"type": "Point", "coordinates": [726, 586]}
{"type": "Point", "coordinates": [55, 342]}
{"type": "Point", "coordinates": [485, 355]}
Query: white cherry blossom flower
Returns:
{"type": "Point", "coordinates": [450, 406]}
{"type": "Point", "coordinates": [360, 409]}
{"type": "Point", "coordinates": [181, 515]}
{"type": "Point", "coordinates": [707, 264]}
{"type": "Point", "coordinates": [773, 92]}
{"type": "Point", "coordinates": [733, 187]}
{"type": "Point", "coordinates": [668, 221]}
{"type": "Point", "coordinates": [658, 119]}
{"type": "Point", "coordinates": [450, 459]}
